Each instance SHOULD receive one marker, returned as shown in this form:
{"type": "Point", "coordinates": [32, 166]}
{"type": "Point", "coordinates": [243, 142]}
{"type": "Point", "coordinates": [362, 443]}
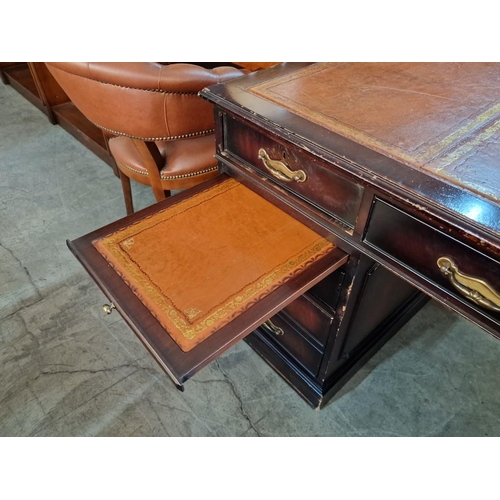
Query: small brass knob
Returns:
{"type": "Point", "coordinates": [108, 308]}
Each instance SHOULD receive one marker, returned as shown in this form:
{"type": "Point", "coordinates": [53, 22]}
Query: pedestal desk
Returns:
{"type": "Point", "coordinates": [394, 170]}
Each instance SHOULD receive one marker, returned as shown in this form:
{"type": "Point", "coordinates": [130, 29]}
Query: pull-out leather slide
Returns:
{"type": "Point", "coordinates": [196, 273]}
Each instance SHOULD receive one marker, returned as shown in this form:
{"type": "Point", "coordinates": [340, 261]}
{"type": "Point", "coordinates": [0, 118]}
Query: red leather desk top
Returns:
{"type": "Point", "coordinates": [441, 118]}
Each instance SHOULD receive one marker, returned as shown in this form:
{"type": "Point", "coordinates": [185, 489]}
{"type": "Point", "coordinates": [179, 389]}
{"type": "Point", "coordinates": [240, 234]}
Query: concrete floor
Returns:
{"type": "Point", "coordinates": [66, 369]}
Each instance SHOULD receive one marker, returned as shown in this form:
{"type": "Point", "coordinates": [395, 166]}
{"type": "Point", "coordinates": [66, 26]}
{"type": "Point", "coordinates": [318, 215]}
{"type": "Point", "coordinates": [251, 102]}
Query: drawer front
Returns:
{"type": "Point", "coordinates": [317, 183]}
{"type": "Point", "coordinates": [311, 317]}
{"type": "Point", "coordinates": [327, 291]}
{"type": "Point", "coordinates": [288, 337]}
{"type": "Point", "coordinates": [468, 275]}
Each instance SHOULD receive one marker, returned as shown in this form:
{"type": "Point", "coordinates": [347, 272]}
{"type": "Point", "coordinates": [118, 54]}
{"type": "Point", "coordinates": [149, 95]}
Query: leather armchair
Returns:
{"type": "Point", "coordinates": [163, 133]}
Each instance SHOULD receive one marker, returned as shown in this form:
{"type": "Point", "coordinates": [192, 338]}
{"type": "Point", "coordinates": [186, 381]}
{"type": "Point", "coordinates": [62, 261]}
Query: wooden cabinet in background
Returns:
{"type": "Point", "coordinates": [19, 76]}
{"type": "Point", "coordinates": [34, 82]}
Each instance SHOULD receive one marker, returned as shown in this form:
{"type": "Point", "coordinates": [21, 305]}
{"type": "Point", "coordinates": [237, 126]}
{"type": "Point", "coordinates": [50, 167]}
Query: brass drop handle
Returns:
{"type": "Point", "coordinates": [280, 170]}
{"type": "Point", "coordinates": [269, 325]}
{"type": "Point", "coordinates": [474, 289]}
{"type": "Point", "coordinates": [108, 308]}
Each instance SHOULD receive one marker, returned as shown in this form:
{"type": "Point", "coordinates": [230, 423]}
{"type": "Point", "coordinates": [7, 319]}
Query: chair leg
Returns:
{"type": "Point", "coordinates": [127, 193]}
{"type": "Point", "coordinates": [159, 193]}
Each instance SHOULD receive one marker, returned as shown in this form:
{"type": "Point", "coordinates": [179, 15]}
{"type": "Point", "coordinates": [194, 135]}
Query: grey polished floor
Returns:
{"type": "Point", "coordinates": [68, 370]}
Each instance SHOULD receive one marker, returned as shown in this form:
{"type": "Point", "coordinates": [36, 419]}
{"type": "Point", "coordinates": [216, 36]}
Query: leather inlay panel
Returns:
{"type": "Point", "coordinates": [468, 164]}
{"type": "Point", "coordinates": [200, 263]}
{"type": "Point", "coordinates": [407, 111]}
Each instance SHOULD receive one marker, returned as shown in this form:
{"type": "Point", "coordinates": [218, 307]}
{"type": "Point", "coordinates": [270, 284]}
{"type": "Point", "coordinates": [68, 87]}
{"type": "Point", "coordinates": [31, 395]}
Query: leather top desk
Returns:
{"type": "Point", "coordinates": [395, 165]}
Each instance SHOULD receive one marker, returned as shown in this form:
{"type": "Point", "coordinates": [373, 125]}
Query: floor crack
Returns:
{"type": "Point", "coordinates": [94, 397]}
{"type": "Point", "coordinates": [21, 308]}
{"type": "Point", "coordinates": [235, 392]}
{"type": "Point", "coordinates": [57, 372]}
{"type": "Point", "coordinates": [9, 251]}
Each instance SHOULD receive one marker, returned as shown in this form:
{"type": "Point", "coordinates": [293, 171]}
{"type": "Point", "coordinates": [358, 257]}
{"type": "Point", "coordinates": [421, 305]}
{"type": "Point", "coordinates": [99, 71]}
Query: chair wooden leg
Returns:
{"type": "Point", "coordinates": [167, 194]}
{"type": "Point", "coordinates": [159, 193]}
{"type": "Point", "coordinates": [127, 193]}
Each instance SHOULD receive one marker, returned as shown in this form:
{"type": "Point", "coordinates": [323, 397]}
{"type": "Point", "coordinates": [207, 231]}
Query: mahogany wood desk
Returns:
{"type": "Point", "coordinates": [396, 165]}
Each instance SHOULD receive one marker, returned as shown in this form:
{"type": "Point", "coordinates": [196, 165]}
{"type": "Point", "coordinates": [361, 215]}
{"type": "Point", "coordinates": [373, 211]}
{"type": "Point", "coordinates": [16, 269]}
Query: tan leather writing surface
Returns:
{"type": "Point", "coordinates": [202, 262]}
{"type": "Point", "coordinates": [432, 116]}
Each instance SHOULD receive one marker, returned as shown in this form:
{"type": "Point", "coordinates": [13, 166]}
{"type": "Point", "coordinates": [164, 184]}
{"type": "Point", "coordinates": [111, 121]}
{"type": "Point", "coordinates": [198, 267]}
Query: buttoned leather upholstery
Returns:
{"type": "Point", "coordinates": [153, 104]}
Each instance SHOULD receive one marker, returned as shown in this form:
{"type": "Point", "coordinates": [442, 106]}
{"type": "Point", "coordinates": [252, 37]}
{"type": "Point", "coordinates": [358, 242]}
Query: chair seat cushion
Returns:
{"type": "Point", "coordinates": [183, 158]}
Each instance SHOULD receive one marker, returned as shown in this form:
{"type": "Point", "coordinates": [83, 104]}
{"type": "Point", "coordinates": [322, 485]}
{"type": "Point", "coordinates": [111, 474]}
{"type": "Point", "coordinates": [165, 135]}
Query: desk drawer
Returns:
{"type": "Point", "coordinates": [297, 345]}
{"type": "Point", "coordinates": [326, 292]}
{"type": "Point", "coordinates": [311, 317]}
{"type": "Point", "coordinates": [471, 277]}
{"type": "Point", "coordinates": [310, 178]}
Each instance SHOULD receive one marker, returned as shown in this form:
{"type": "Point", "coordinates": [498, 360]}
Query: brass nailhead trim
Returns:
{"type": "Point", "coordinates": [131, 88]}
{"type": "Point", "coordinates": [171, 177]}
{"type": "Point", "coordinates": [168, 138]}
{"type": "Point", "coordinates": [194, 174]}
{"type": "Point", "coordinates": [134, 170]}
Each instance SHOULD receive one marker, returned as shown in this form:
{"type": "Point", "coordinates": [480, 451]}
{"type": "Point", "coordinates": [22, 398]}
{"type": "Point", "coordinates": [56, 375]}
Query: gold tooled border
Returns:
{"type": "Point", "coordinates": [112, 246]}
{"type": "Point", "coordinates": [266, 90]}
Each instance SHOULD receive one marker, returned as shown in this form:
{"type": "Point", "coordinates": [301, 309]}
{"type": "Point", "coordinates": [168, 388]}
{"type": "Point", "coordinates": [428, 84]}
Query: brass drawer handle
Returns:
{"type": "Point", "coordinates": [108, 308]}
{"type": "Point", "coordinates": [474, 289]}
{"type": "Point", "coordinates": [280, 170]}
{"type": "Point", "coordinates": [269, 325]}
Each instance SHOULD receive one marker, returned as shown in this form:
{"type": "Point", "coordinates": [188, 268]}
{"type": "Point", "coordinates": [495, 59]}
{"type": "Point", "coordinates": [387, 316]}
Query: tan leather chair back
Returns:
{"type": "Point", "coordinates": [146, 100]}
